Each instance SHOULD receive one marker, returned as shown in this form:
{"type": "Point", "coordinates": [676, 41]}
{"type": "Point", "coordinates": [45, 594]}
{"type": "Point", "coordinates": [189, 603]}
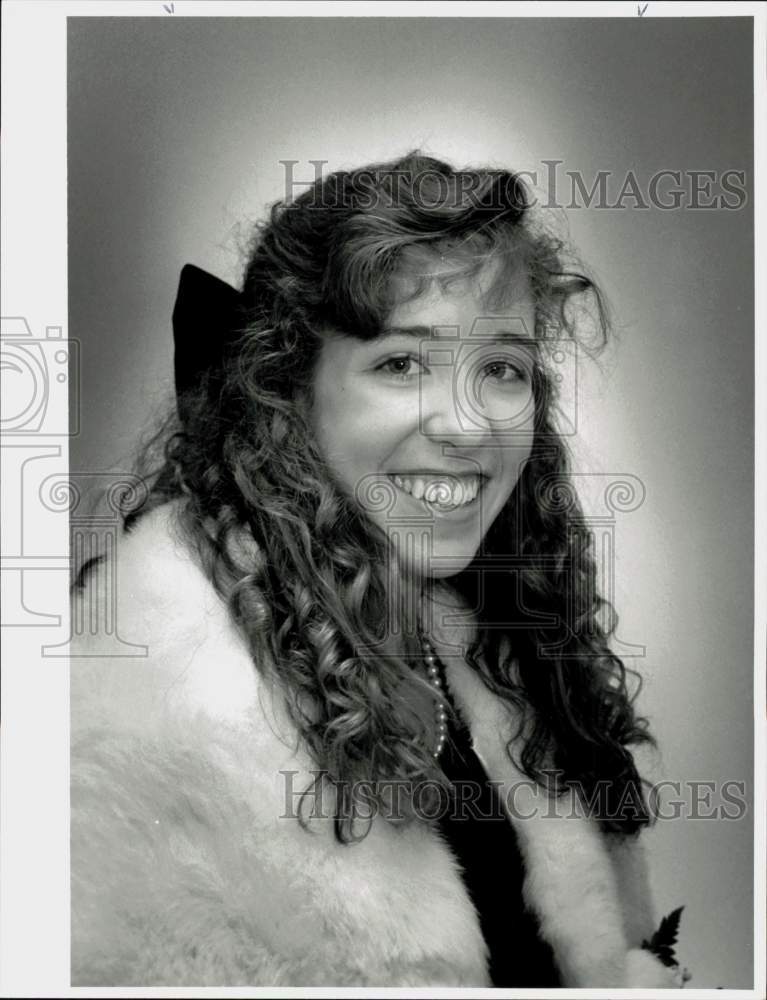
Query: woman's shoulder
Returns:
{"type": "Point", "coordinates": [177, 766]}
{"type": "Point", "coordinates": [166, 645]}
{"type": "Point", "coordinates": [151, 567]}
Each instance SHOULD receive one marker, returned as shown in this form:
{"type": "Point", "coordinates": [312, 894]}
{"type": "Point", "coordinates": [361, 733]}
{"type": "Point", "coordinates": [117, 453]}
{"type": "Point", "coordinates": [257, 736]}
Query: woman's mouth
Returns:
{"type": "Point", "coordinates": [441, 493]}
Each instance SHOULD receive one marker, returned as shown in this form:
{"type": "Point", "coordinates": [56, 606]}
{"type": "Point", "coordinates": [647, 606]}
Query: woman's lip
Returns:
{"type": "Point", "coordinates": [433, 474]}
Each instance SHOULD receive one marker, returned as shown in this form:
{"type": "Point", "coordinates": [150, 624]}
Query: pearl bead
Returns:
{"type": "Point", "coordinates": [433, 671]}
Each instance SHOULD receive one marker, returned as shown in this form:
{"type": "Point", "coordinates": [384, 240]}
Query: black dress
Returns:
{"type": "Point", "coordinates": [484, 842]}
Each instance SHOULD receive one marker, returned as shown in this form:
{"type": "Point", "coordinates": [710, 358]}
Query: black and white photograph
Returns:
{"type": "Point", "coordinates": [383, 499]}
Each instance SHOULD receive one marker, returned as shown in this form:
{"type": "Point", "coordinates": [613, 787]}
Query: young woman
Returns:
{"type": "Point", "coordinates": [379, 737]}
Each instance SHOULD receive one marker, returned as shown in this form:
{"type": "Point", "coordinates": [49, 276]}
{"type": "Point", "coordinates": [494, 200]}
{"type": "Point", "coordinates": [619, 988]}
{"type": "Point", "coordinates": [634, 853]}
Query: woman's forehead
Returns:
{"type": "Point", "coordinates": [436, 291]}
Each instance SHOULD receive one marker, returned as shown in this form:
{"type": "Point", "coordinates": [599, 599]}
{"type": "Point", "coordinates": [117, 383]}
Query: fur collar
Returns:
{"type": "Point", "coordinates": [185, 870]}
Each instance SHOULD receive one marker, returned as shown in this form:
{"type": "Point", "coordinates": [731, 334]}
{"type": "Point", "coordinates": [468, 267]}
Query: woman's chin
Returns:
{"type": "Point", "coordinates": [438, 567]}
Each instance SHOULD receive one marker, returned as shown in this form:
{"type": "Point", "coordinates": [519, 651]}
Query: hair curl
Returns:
{"type": "Point", "coordinates": [310, 595]}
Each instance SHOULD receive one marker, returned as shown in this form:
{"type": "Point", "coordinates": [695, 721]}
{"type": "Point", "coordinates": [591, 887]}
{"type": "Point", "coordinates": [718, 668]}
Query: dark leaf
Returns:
{"type": "Point", "coordinates": [662, 943]}
{"type": "Point", "coordinates": [669, 928]}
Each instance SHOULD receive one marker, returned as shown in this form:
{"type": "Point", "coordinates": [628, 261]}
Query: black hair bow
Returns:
{"type": "Point", "coordinates": [207, 317]}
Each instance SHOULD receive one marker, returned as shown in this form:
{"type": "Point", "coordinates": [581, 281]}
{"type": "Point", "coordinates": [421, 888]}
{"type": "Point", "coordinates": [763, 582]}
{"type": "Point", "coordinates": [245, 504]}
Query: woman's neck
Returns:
{"type": "Point", "coordinates": [447, 619]}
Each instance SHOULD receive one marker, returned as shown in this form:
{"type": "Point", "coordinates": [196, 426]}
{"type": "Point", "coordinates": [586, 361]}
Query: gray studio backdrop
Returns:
{"type": "Point", "coordinates": [176, 132]}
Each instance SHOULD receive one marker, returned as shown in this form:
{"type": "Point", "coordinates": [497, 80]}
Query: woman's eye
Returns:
{"type": "Point", "coordinates": [403, 366]}
{"type": "Point", "coordinates": [504, 371]}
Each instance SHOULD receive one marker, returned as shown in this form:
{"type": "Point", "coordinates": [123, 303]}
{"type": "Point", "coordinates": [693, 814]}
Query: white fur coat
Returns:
{"type": "Point", "coordinates": [186, 870]}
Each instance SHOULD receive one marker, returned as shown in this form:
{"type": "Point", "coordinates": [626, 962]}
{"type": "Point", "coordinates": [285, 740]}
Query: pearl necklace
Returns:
{"type": "Point", "coordinates": [434, 670]}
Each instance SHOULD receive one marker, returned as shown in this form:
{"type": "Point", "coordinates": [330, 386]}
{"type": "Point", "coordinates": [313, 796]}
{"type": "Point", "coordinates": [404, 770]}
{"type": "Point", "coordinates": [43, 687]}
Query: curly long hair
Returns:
{"type": "Point", "coordinates": [298, 561]}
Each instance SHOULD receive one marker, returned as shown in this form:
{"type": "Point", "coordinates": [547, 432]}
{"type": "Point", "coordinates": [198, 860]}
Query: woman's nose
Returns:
{"type": "Point", "coordinates": [451, 412]}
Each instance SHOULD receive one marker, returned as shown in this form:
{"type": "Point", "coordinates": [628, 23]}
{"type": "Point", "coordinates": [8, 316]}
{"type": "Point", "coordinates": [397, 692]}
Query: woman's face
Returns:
{"type": "Point", "coordinates": [428, 426]}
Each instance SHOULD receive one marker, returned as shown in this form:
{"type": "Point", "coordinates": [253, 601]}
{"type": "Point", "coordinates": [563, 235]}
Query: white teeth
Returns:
{"type": "Point", "coordinates": [439, 493]}
{"type": "Point", "coordinates": [450, 492]}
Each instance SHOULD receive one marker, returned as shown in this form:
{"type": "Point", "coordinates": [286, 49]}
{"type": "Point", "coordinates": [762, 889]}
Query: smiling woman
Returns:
{"type": "Point", "coordinates": [380, 738]}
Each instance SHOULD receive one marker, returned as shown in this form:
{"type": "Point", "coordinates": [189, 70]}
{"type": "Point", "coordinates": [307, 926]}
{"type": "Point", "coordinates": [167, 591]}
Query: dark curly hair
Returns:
{"type": "Point", "coordinates": [301, 565]}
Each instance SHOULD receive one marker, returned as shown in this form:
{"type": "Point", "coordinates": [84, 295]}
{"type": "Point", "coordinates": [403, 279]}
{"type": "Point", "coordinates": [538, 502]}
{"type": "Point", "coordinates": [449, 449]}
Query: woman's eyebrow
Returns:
{"type": "Point", "coordinates": [447, 331]}
{"type": "Point", "coordinates": [405, 331]}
